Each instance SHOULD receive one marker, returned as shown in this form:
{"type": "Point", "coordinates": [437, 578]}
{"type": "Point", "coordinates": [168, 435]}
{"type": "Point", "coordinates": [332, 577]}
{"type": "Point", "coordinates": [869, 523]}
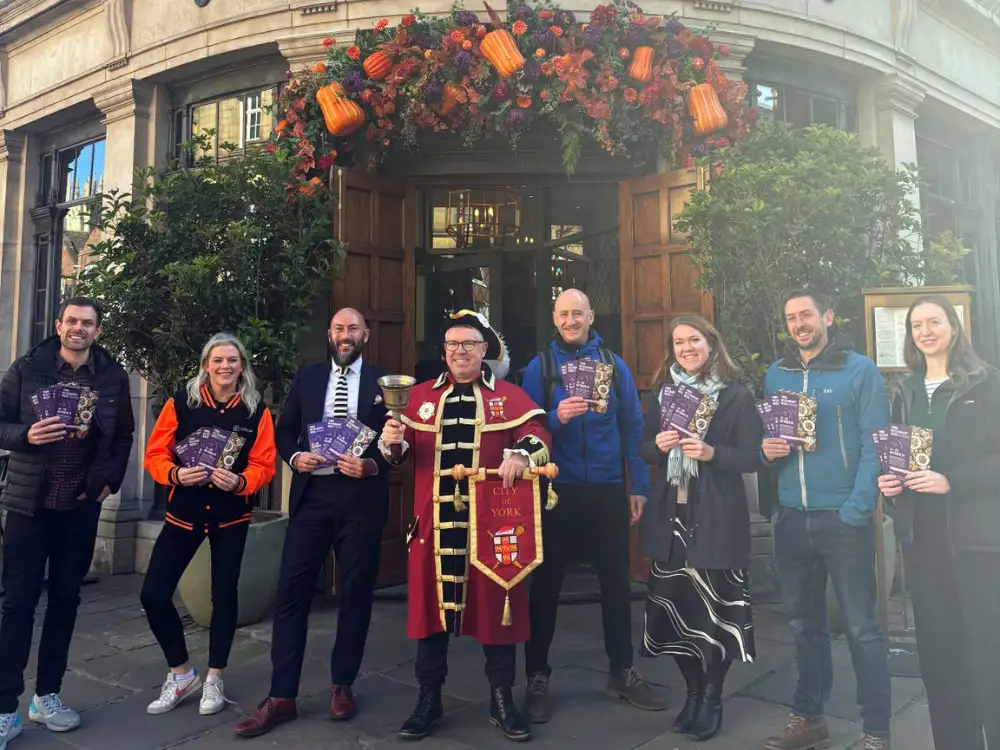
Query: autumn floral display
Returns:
{"type": "Point", "coordinates": [620, 77]}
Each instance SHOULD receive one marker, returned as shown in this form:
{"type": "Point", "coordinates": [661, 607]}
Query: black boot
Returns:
{"type": "Point", "coordinates": [425, 716]}
{"type": "Point", "coordinates": [504, 714]}
{"type": "Point", "coordinates": [695, 679]}
{"type": "Point", "coordinates": [708, 719]}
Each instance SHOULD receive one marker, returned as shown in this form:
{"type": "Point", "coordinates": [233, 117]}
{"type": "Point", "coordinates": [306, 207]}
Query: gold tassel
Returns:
{"type": "Point", "coordinates": [505, 620]}
{"type": "Point", "coordinates": [552, 499]}
{"type": "Point", "coordinates": [459, 502]}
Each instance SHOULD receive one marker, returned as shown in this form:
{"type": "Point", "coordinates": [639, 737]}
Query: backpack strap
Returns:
{"type": "Point", "coordinates": [550, 376]}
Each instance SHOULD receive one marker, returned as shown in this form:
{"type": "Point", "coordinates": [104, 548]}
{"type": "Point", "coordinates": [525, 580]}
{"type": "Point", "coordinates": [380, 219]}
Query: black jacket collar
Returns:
{"type": "Point", "coordinates": [43, 356]}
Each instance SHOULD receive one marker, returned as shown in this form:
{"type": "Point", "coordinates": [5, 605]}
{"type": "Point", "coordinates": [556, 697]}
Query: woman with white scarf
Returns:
{"type": "Point", "coordinates": [696, 525]}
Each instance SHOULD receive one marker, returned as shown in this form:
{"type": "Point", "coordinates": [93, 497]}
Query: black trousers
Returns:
{"type": "Point", "coordinates": [173, 551]}
{"type": "Point", "coordinates": [431, 667]}
{"type": "Point", "coordinates": [590, 524]}
{"type": "Point", "coordinates": [65, 540]}
{"type": "Point", "coordinates": [956, 605]}
{"type": "Point", "coordinates": [327, 516]}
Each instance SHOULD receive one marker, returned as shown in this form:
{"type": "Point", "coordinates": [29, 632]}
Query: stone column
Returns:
{"type": "Point", "coordinates": [740, 46]}
{"type": "Point", "coordinates": [13, 280]}
{"type": "Point", "coordinates": [137, 123]}
{"type": "Point", "coordinates": [897, 97]}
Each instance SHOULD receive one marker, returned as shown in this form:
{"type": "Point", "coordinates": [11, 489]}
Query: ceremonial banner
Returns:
{"type": "Point", "coordinates": [505, 531]}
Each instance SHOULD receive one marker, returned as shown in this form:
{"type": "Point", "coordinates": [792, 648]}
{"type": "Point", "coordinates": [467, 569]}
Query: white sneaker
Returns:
{"type": "Point", "coordinates": [50, 711]}
{"type": "Point", "coordinates": [213, 697]}
{"type": "Point", "coordinates": [10, 727]}
{"type": "Point", "coordinates": [173, 692]}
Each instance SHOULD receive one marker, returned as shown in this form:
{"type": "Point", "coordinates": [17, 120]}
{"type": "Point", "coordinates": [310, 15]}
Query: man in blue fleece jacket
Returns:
{"type": "Point", "coordinates": [592, 519]}
{"type": "Point", "coordinates": [824, 525]}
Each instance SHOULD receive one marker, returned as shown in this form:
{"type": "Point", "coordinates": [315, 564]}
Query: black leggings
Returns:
{"type": "Point", "coordinates": [171, 554]}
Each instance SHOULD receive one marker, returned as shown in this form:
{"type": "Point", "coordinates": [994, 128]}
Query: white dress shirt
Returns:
{"type": "Point", "coordinates": [353, 387]}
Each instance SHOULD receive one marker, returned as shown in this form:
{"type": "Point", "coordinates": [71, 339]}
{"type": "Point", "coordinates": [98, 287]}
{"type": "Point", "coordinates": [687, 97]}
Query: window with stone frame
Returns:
{"type": "Point", "coordinates": [235, 122]}
{"type": "Point", "coordinates": [801, 95]}
{"type": "Point", "coordinates": [68, 204]}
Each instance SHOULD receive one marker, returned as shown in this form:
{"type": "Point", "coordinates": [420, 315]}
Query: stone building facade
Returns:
{"type": "Point", "coordinates": [92, 89]}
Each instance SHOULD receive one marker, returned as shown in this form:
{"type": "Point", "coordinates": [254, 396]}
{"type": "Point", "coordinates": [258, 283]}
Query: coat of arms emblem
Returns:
{"type": "Point", "coordinates": [426, 410]}
{"type": "Point", "coordinates": [495, 405]}
{"type": "Point", "coordinates": [505, 542]}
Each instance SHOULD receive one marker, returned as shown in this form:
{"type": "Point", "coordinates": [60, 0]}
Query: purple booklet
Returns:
{"type": "Point", "coordinates": [67, 405]}
{"type": "Point", "coordinates": [567, 372]}
{"type": "Point", "coordinates": [908, 449]}
{"type": "Point", "coordinates": [766, 410]}
{"type": "Point", "coordinates": [213, 443]}
{"type": "Point", "coordinates": [43, 400]}
{"type": "Point", "coordinates": [668, 402]}
{"type": "Point", "coordinates": [586, 376]}
{"type": "Point", "coordinates": [188, 451]}
{"type": "Point", "coordinates": [361, 436]}
{"type": "Point", "coordinates": [693, 411]}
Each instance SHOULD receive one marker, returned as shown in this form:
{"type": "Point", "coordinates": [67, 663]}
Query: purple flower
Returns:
{"type": "Point", "coordinates": [355, 81]}
{"type": "Point", "coordinates": [466, 18]}
{"type": "Point", "coordinates": [674, 47]}
{"type": "Point", "coordinates": [463, 60]}
{"type": "Point", "coordinates": [559, 18]}
{"type": "Point", "coordinates": [593, 33]}
{"type": "Point", "coordinates": [532, 70]}
{"type": "Point", "coordinates": [636, 36]}
{"type": "Point", "coordinates": [702, 149]}
{"type": "Point", "coordinates": [432, 91]}
{"type": "Point", "coordinates": [568, 17]}
{"type": "Point", "coordinates": [523, 13]}
{"type": "Point", "coordinates": [542, 37]}
{"type": "Point", "coordinates": [674, 26]}
{"type": "Point", "coordinates": [515, 117]}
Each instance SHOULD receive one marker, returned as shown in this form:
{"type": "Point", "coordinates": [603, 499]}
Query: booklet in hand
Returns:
{"type": "Point", "coordinates": [589, 380]}
{"type": "Point", "coordinates": [903, 449]}
{"type": "Point", "coordinates": [686, 410]}
{"type": "Point", "coordinates": [210, 447]}
{"type": "Point", "coordinates": [334, 438]}
{"type": "Point", "coordinates": [790, 416]}
{"type": "Point", "coordinates": [72, 404]}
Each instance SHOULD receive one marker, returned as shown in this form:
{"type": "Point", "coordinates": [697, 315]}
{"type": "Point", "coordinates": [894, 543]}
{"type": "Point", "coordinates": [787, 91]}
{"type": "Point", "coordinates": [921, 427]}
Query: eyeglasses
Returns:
{"type": "Point", "coordinates": [466, 346]}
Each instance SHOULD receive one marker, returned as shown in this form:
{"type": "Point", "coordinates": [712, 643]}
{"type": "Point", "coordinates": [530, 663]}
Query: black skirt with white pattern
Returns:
{"type": "Point", "coordinates": [704, 614]}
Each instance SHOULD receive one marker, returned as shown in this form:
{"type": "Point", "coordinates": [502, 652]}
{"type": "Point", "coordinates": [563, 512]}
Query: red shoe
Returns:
{"type": "Point", "coordinates": [342, 705]}
{"type": "Point", "coordinates": [270, 713]}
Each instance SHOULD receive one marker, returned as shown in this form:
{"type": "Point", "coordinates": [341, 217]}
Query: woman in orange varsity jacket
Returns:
{"type": "Point", "coordinates": [213, 445]}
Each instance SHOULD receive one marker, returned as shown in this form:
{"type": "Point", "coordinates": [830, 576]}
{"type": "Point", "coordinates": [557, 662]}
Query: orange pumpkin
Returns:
{"type": "Point", "coordinates": [706, 109]}
{"type": "Point", "coordinates": [449, 99]}
{"type": "Point", "coordinates": [377, 65]}
{"type": "Point", "coordinates": [341, 115]}
{"type": "Point", "coordinates": [337, 89]}
{"type": "Point", "coordinates": [641, 68]}
{"type": "Point", "coordinates": [501, 50]}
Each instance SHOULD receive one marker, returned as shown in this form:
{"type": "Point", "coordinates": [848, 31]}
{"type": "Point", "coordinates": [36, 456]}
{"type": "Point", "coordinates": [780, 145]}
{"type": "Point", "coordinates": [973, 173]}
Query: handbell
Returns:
{"type": "Point", "coordinates": [396, 395]}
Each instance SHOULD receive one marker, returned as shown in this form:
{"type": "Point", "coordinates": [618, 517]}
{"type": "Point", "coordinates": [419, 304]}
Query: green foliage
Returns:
{"type": "Point", "coordinates": [942, 260]}
{"type": "Point", "coordinates": [209, 248]}
{"type": "Point", "coordinates": [794, 208]}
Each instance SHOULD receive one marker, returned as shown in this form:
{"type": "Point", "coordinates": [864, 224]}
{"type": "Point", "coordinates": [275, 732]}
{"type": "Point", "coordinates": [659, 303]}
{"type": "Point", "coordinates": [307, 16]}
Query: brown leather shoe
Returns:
{"type": "Point", "coordinates": [342, 705]}
{"type": "Point", "coordinates": [270, 713]}
{"type": "Point", "coordinates": [801, 733]}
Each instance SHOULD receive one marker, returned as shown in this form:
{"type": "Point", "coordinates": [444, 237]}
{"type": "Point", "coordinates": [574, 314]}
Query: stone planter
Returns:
{"type": "Point", "coordinates": [836, 618]}
{"type": "Point", "coordinates": [258, 576]}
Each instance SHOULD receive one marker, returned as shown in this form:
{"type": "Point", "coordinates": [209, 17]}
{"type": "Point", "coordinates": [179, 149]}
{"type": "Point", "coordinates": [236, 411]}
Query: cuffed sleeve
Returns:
{"type": "Point", "coordinates": [261, 461]}
{"type": "Point", "coordinates": [160, 460]}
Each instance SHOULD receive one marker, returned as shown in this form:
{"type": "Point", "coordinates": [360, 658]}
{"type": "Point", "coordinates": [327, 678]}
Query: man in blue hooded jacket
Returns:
{"type": "Point", "coordinates": [824, 527]}
{"type": "Point", "coordinates": [592, 519]}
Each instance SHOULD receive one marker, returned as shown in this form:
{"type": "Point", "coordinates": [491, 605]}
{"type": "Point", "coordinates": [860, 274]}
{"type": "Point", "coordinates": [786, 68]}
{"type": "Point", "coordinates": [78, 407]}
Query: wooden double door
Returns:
{"type": "Point", "coordinates": [376, 219]}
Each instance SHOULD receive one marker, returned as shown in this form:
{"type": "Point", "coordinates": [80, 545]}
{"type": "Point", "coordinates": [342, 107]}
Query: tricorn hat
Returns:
{"type": "Point", "coordinates": [495, 348]}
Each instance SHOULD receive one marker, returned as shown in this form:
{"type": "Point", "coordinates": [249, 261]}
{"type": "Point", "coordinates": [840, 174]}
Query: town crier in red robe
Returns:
{"type": "Point", "coordinates": [466, 417]}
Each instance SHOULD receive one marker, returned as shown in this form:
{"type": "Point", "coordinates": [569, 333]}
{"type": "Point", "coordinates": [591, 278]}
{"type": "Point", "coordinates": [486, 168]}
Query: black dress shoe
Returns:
{"type": "Point", "coordinates": [504, 714]}
{"type": "Point", "coordinates": [425, 716]}
{"type": "Point", "coordinates": [708, 719]}
{"type": "Point", "coordinates": [685, 719]}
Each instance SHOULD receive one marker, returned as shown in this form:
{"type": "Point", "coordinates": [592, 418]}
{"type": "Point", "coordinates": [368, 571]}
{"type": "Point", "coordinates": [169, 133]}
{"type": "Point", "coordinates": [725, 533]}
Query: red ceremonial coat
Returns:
{"type": "Point", "coordinates": [445, 593]}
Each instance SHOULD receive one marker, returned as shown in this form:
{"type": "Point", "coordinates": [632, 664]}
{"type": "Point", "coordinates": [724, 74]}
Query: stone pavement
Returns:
{"type": "Point", "coordinates": [116, 669]}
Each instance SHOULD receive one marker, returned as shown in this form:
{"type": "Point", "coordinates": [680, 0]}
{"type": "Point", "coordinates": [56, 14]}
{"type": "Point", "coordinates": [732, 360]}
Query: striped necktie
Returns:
{"type": "Point", "coordinates": [340, 394]}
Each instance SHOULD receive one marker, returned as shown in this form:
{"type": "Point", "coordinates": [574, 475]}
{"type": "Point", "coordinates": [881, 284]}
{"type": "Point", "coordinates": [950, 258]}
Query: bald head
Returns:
{"type": "Point", "coordinates": [573, 317]}
{"type": "Point", "coordinates": [348, 334]}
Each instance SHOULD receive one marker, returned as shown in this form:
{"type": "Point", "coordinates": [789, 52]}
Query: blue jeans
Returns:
{"type": "Point", "coordinates": [809, 546]}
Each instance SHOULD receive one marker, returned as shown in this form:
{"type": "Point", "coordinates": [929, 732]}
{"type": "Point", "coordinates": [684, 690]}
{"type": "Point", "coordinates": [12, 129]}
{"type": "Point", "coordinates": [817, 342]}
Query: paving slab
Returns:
{"type": "Point", "coordinates": [911, 728]}
{"type": "Point", "coordinates": [747, 722]}
{"type": "Point", "coordinates": [779, 687]}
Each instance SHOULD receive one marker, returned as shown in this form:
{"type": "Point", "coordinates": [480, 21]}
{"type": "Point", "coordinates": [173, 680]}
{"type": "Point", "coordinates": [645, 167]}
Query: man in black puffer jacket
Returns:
{"type": "Point", "coordinates": [56, 482]}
